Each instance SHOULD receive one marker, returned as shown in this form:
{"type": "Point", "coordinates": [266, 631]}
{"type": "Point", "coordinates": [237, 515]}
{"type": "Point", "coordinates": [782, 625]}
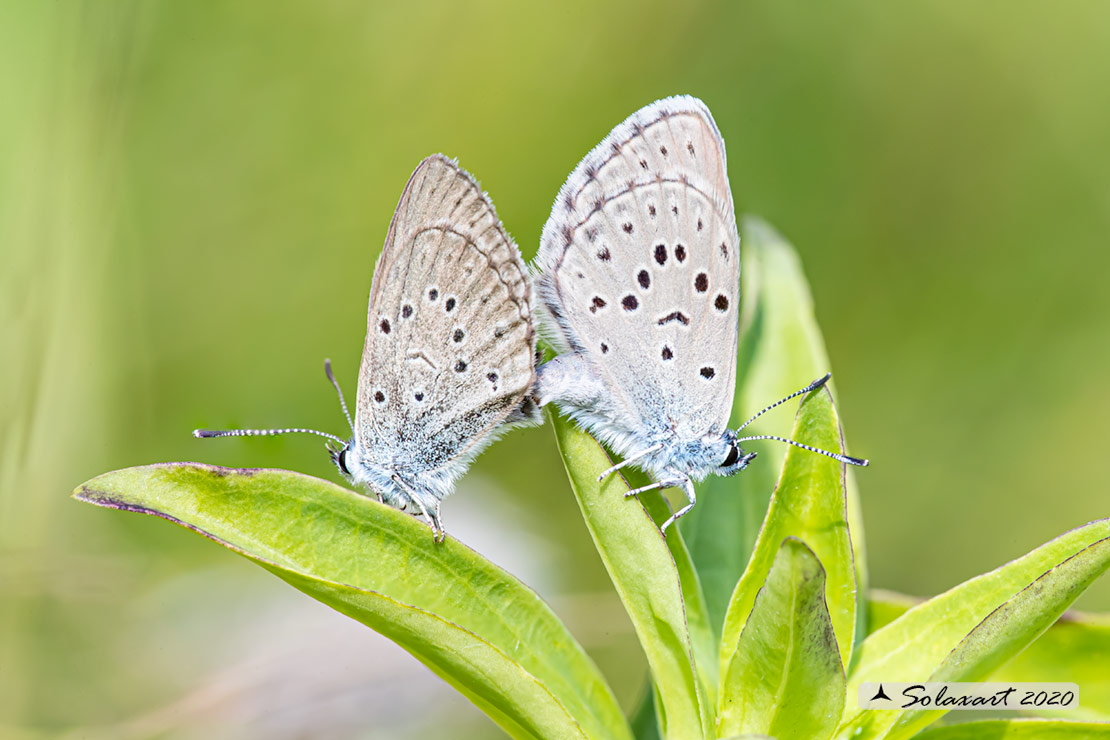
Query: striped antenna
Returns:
{"type": "Point", "coordinates": [811, 387]}
{"type": "Point", "coordinates": [820, 382]}
{"type": "Point", "coordinates": [339, 392]}
{"type": "Point", "coordinates": [208, 433]}
{"type": "Point", "coordinates": [834, 455]}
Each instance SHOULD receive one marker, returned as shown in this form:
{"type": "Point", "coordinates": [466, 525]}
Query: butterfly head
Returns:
{"type": "Point", "coordinates": [733, 457]}
{"type": "Point", "coordinates": [342, 458]}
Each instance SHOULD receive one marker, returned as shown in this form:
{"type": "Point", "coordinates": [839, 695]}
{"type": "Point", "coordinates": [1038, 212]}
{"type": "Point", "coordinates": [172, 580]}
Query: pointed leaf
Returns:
{"type": "Point", "coordinates": [786, 679]}
{"type": "Point", "coordinates": [1011, 627]}
{"type": "Point", "coordinates": [1074, 650]}
{"type": "Point", "coordinates": [703, 639]}
{"type": "Point", "coordinates": [809, 503]}
{"type": "Point", "coordinates": [1019, 729]}
{"type": "Point", "coordinates": [644, 573]}
{"type": "Point", "coordinates": [476, 626]}
{"type": "Point", "coordinates": [915, 645]}
{"type": "Point", "coordinates": [781, 350]}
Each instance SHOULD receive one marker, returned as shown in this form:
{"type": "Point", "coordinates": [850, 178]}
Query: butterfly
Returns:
{"type": "Point", "coordinates": [638, 276]}
{"type": "Point", "coordinates": [449, 359]}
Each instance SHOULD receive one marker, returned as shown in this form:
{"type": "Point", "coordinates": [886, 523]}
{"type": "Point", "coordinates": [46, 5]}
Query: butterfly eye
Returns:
{"type": "Point", "coordinates": [733, 456]}
{"type": "Point", "coordinates": [341, 460]}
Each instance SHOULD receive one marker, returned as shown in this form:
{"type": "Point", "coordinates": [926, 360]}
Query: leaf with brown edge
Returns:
{"type": "Point", "coordinates": [483, 631]}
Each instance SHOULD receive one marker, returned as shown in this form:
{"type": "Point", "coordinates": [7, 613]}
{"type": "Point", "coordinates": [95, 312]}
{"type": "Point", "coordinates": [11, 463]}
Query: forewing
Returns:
{"type": "Point", "coordinates": [449, 351]}
{"type": "Point", "coordinates": [640, 270]}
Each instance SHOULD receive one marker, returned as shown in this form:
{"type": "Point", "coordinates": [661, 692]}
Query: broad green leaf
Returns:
{"type": "Point", "coordinates": [646, 578]}
{"type": "Point", "coordinates": [483, 631]}
{"type": "Point", "coordinates": [703, 640]}
{"type": "Point", "coordinates": [914, 646]}
{"type": "Point", "coordinates": [1011, 627]}
{"type": "Point", "coordinates": [1018, 729]}
{"type": "Point", "coordinates": [1076, 649]}
{"type": "Point", "coordinates": [808, 504]}
{"type": "Point", "coordinates": [781, 350]}
{"type": "Point", "coordinates": [702, 636]}
{"type": "Point", "coordinates": [786, 679]}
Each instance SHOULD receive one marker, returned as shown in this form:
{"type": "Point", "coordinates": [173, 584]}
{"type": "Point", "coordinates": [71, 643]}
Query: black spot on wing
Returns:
{"type": "Point", "coordinates": [674, 316]}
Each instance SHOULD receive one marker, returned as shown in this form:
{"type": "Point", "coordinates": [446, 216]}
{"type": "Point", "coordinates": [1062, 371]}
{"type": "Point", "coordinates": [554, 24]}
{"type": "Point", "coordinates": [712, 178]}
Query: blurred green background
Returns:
{"type": "Point", "coordinates": [192, 197]}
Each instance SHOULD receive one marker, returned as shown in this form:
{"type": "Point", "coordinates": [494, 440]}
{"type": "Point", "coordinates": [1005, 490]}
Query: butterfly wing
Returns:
{"type": "Point", "coordinates": [450, 350]}
{"type": "Point", "coordinates": [640, 268]}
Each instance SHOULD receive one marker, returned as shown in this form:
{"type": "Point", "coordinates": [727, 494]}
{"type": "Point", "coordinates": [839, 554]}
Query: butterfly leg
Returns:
{"type": "Point", "coordinates": [438, 524]}
{"type": "Point", "coordinates": [649, 487]}
{"type": "Point", "coordinates": [688, 487]}
{"type": "Point", "coordinates": [432, 520]}
{"type": "Point", "coordinates": [629, 460]}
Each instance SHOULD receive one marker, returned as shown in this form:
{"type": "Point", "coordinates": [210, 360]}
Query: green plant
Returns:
{"type": "Point", "coordinates": [750, 630]}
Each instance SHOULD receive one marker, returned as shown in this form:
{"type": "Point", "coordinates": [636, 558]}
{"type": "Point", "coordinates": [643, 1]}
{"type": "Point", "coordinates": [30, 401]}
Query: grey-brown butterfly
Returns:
{"type": "Point", "coordinates": [449, 359]}
{"type": "Point", "coordinates": [639, 279]}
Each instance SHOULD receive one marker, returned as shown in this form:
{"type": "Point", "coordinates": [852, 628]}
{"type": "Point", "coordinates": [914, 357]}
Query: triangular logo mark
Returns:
{"type": "Point", "coordinates": [880, 694]}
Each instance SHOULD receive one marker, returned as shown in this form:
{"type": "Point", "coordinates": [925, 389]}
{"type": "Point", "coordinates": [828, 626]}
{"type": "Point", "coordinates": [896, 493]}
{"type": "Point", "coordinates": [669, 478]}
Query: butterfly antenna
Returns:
{"type": "Point", "coordinates": [811, 387]}
{"type": "Point", "coordinates": [206, 433]}
{"type": "Point", "coordinates": [834, 455]}
{"type": "Point", "coordinates": [339, 391]}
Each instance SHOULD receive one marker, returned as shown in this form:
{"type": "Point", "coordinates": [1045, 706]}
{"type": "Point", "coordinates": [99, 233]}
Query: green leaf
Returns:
{"type": "Point", "coordinates": [1011, 627]}
{"type": "Point", "coordinates": [808, 504]}
{"type": "Point", "coordinates": [1018, 729]}
{"type": "Point", "coordinates": [916, 645]}
{"type": "Point", "coordinates": [786, 679]}
{"type": "Point", "coordinates": [1076, 649]}
{"type": "Point", "coordinates": [642, 565]}
{"type": "Point", "coordinates": [781, 350]}
{"type": "Point", "coordinates": [883, 607]}
{"type": "Point", "coordinates": [473, 624]}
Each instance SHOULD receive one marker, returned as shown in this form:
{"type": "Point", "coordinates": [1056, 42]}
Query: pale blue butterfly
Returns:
{"type": "Point", "coordinates": [639, 278]}
{"type": "Point", "coordinates": [449, 359]}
